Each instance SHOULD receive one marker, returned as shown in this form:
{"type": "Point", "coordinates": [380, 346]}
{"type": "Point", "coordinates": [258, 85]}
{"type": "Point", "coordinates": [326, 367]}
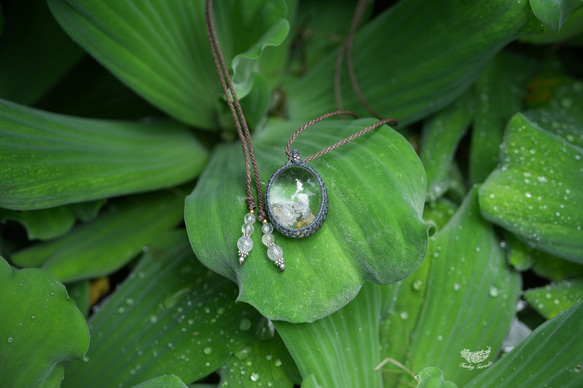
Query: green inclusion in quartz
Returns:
{"type": "Point", "coordinates": [295, 198]}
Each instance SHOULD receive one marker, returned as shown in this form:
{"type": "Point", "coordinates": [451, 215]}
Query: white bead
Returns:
{"type": "Point", "coordinates": [267, 228]}
{"type": "Point", "coordinates": [267, 239]}
{"type": "Point", "coordinates": [247, 228]}
{"type": "Point", "coordinates": [245, 244]}
{"type": "Point", "coordinates": [274, 252]}
{"type": "Point", "coordinates": [249, 218]}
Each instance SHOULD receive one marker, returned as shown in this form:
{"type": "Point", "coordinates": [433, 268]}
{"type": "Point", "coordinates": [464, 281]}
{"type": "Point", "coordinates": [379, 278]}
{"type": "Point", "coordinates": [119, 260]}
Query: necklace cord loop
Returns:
{"type": "Point", "coordinates": [340, 143]}
{"type": "Point", "coordinates": [238, 116]}
{"type": "Point", "coordinates": [241, 123]}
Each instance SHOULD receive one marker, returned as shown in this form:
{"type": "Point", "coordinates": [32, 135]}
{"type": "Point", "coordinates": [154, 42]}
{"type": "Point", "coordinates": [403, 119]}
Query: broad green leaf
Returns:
{"type": "Point", "coordinates": [322, 25]}
{"type": "Point", "coordinates": [431, 377]}
{"type": "Point", "coordinates": [34, 51]}
{"type": "Point", "coordinates": [310, 382]}
{"type": "Point", "coordinates": [80, 293]}
{"type": "Point", "coordinates": [572, 27]}
{"type": "Point", "coordinates": [407, 65]}
{"type": "Point", "coordinates": [90, 90]}
{"type": "Point", "coordinates": [109, 242]}
{"type": "Point", "coordinates": [501, 91]}
{"type": "Point", "coordinates": [562, 114]}
{"type": "Point", "coordinates": [537, 190]}
{"type": "Point", "coordinates": [87, 211]}
{"type": "Point", "coordinates": [519, 255]}
{"type": "Point", "coordinates": [549, 357]}
{"type": "Point", "coordinates": [439, 212]}
{"type": "Point", "coordinates": [402, 302]}
{"type": "Point", "coordinates": [41, 327]}
{"type": "Point", "coordinates": [553, 268]}
{"type": "Point", "coordinates": [46, 224]}
{"type": "Point", "coordinates": [43, 224]}
{"type": "Point", "coordinates": [441, 135]}
{"type": "Point", "coordinates": [553, 298]}
{"type": "Point", "coordinates": [260, 363]}
{"type": "Point", "coordinates": [374, 229]}
{"type": "Point", "coordinates": [50, 160]}
{"type": "Point", "coordinates": [170, 316]}
{"type": "Point", "coordinates": [161, 49]}
{"type": "Point", "coordinates": [342, 349]}
{"type": "Point", "coordinates": [470, 298]}
{"type": "Point", "coordinates": [163, 382]}
{"type": "Point", "coordinates": [553, 13]}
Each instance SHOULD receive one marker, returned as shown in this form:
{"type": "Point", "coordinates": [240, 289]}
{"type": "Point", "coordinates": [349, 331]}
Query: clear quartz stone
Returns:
{"type": "Point", "coordinates": [267, 228]}
{"type": "Point", "coordinates": [267, 239]}
{"type": "Point", "coordinates": [274, 252]}
{"type": "Point", "coordinates": [247, 228]}
{"type": "Point", "coordinates": [249, 218]}
{"type": "Point", "coordinates": [245, 244]}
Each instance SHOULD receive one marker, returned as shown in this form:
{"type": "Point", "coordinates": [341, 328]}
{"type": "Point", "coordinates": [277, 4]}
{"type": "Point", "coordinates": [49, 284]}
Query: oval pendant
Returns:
{"type": "Point", "coordinates": [297, 201]}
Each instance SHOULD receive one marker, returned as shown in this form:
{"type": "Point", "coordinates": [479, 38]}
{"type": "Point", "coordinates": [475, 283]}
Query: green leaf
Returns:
{"type": "Point", "coordinates": [554, 13]}
{"type": "Point", "coordinates": [80, 293]}
{"type": "Point", "coordinates": [553, 268]}
{"type": "Point", "coordinates": [90, 90]}
{"type": "Point", "coordinates": [431, 377]}
{"type": "Point", "coordinates": [554, 298]}
{"type": "Point", "coordinates": [261, 363]}
{"type": "Point", "coordinates": [50, 160]}
{"type": "Point", "coordinates": [163, 382]}
{"type": "Point", "coordinates": [170, 316]}
{"type": "Point", "coordinates": [441, 135]}
{"type": "Point", "coordinates": [537, 191]}
{"type": "Point", "coordinates": [46, 224]}
{"type": "Point", "coordinates": [41, 327]}
{"type": "Point", "coordinates": [374, 230]}
{"type": "Point", "coordinates": [161, 49]}
{"type": "Point", "coordinates": [470, 298]}
{"type": "Point", "coordinates": [43, 224]}
{"type": "Point", "coordinates": [34, 51]}
{"type": "Point", "coordinates": [520, 256]}
{"type": "Point", "coordinates": [501, 92]}
{"type": "Point", "coordinates": [407, 65]}
{"type": "Point", "coordinates": [106, 244]}
{"type": "Point", "coordinates": [349, 337]}
{"type": "Point", "coordinates": [572, 27]}
{"type": "Point", "coordinates": [551, 356]}
{"type": "Point", "coordinates": [310, 382]}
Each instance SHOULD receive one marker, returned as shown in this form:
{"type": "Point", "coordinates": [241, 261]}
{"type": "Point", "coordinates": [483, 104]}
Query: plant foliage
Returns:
{"type": "Point", "coordinates": [452, 254]}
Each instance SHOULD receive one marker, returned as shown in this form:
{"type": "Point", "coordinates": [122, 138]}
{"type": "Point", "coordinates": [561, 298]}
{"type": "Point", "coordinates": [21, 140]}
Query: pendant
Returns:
{"type": "Point", "coordinates": [297, 201]}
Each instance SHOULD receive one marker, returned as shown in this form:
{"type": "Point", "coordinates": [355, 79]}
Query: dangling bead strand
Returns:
{"type": "Point", "coordinates": [274, 252]}
{"type": "Point", "coordinates": [245, 243]}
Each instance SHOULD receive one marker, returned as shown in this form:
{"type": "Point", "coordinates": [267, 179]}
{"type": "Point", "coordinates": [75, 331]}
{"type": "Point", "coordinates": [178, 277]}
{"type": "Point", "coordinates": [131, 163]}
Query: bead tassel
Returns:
{"type": "Point", "coordinates": [245, 243]}
{"type": "Point", "coordinates": [274, 252]}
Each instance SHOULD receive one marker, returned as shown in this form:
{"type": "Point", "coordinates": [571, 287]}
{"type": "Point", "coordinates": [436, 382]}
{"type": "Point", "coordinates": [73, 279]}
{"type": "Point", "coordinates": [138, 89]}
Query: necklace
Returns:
{"type": "Point", "coordinates": [296, 196]}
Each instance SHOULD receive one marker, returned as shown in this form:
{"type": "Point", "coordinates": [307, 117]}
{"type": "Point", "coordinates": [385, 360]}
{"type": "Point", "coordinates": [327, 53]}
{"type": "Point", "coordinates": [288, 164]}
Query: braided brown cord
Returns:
{"type": "Point", "coordinates": [238, 116]}
{"type": "Point", "coordinates": [346, 48]}
{"type": "Point", "coordinates": [312, 122]}
{"type": "Point", "coordinates": [340, 143]}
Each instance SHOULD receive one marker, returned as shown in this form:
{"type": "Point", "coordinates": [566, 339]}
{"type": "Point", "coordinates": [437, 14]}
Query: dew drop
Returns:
{"type": "Point", "coordinates": [242, 354]}
{"type": "Point", "coordinates": [245, 324]}
{"type": "Point", "coordinates": [208, 350]}
{"type": "Point", "coordinates": [254, 376]}
{"type": "Point", "coordinates": [457, 286]}
{"type": "Point", "coordinates": [417, 285]}
{"type": "Point", "coordinates": [493, 292]}
{"type": "Point", "coordinates": [10, 340]}
{"type": "Point", "coordinates": [404, 315]}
